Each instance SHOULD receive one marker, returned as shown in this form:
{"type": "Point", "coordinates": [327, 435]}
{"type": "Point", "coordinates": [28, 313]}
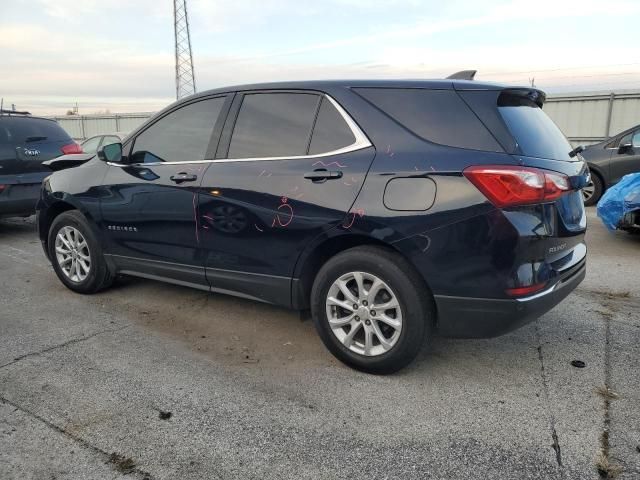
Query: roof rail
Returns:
{"type": "Point", "coordinates": [463, 75]}
{"type": "Point", "coordinates": [13, 112]}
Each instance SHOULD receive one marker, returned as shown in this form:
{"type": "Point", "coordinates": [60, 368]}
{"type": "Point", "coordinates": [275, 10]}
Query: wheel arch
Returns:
{"type": "Point", "coordinates": [46, 217]}
{"type": "Point", "coordinates": [317, 255]}
{"type": "Point", "coordinates": [596, 170]}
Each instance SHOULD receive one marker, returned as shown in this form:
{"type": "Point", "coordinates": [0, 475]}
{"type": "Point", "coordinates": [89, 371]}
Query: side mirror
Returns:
{"type": "Point", "coordinates": [111, 153]}
{"type": "Point", "coordinates": [625, 148]}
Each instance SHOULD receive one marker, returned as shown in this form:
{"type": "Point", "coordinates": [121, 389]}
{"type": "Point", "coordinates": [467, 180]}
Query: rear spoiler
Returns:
{"type": "Point", "coordinates": [68, 161]}
{"type": "Point", "coordinates": [521, 95]}
{"type": "Point", "coordinates": [463, 75]}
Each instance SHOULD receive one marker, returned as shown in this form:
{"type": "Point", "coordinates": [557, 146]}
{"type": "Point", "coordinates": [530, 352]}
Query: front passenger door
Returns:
{"type": "Point", "coordinates": [149, 201]}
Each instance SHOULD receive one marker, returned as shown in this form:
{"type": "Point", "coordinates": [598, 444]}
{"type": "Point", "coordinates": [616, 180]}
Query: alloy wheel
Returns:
{"type": "Point", "coordinates": [72, 254]}
{"type": "Point", "coordinates": [588, 191]}
{"type": "Point", "coordinates": [364, 313]}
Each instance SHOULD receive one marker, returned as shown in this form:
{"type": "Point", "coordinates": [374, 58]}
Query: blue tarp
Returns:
{"type": "Point", "coordinates": [622, 198]}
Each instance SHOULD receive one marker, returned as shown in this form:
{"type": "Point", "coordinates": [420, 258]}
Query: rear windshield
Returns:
{"type": "Point", "coordinates": [534, 132]}
{"type": "Point", "coordinates": [20, 130]}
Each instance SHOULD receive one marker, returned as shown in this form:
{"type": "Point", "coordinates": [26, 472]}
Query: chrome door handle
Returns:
{"type": "Point", "coordinates": [321, 175]}
{"type": "Point", "coordinates": [183, 177]}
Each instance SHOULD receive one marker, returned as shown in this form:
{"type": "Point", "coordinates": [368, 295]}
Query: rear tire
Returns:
{"type": "Point", "coordinates": [375, 341]}
{"type": "Point", "coordinates": [76, 255]}
{"type": "Point", "coordinates": [594, 190]}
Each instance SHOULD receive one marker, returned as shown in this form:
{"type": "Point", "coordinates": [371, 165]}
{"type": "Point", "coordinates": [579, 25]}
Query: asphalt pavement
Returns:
{"type": "Point", "coordinates": [148, 380]}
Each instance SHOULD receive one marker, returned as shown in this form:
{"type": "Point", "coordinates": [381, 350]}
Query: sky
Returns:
{"type": "Point", "coordinates": [117, 55]}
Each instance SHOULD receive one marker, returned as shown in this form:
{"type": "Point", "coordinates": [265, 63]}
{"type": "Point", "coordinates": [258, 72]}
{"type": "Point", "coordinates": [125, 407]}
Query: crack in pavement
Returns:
{"type": "Point", "coordinates": [62, 345]}
{"type": "Point", "coordinates": [79, 440]}
{"type": "Point", "coordinates": [545, 386]}
{"type": "Point", "coordinates": [605, 468]}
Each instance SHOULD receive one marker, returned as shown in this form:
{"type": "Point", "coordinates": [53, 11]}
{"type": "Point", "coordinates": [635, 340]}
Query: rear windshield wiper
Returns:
{"type": "Point", "coordinates": [35, 139]}
{"type": "Point", "coordinates": [577, 150]}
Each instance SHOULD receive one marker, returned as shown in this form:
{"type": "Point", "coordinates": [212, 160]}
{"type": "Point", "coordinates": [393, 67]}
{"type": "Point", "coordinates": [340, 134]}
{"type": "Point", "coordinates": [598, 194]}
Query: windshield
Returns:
{"type": "Point", "coordinates": [533, 130]}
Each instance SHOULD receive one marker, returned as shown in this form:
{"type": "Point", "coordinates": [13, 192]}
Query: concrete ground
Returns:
{"type": "Point", "coordinates": [148, 380]}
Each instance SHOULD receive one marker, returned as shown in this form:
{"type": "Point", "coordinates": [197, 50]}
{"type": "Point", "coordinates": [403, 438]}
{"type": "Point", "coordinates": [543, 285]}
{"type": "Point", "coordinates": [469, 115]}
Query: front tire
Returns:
{"type": "Point", "coordinates": [76, 255]}
{"type": "Point", "coordinates": [592, 192]}
{"type": "Point", "coordinates": [371, 309]}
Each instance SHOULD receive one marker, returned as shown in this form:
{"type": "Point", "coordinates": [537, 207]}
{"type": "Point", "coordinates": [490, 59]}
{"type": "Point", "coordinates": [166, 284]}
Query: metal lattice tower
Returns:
{"type": "Point", "coordinates": [185, 78]}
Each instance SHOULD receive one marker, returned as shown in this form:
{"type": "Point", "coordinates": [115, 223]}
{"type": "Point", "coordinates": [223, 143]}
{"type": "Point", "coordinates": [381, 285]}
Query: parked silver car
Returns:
{"type": "Point", "coordinates": [92, 144]}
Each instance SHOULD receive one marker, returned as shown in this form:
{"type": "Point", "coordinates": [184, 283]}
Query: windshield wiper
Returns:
{"type": "Point", "coordinates": [35, 139]}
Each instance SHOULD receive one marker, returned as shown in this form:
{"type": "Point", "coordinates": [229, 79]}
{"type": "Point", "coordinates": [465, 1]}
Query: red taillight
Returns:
{"type": "Point", "coordinates": [2, 187]}
{"type": "Point", "coordinates": [520, 291]}
{"type": "Point", "coordinates": [71, 148]}
{"type": "Point", "coordinates": [508, 186]}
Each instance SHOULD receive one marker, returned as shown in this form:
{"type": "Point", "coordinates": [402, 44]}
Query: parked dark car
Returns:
{"type": "Point", "coordinates": [388, 208]}
{"type": "Point", "coordinates": [25, 142]}
{"type": "Point", "coordinates": [93, 144]}
{"type": "Point", "coordinates": [610, 160]}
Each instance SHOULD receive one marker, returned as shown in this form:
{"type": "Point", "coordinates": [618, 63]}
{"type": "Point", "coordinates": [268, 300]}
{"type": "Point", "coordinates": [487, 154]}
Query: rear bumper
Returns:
{"type": "Point", "coordinates": [19, 200]}
{"type": "Point", "coordinates": [466, 317]}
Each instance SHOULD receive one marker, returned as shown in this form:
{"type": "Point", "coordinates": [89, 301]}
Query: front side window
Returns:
{"type": "Point", "coordinates": [613, 143]}
{"type": "Point", "coordinates": [635, 141]}
{"type": "Point", "coordinates": [626, 140]}
{"type": "Point", "coordinates": [181, 136]}
{"type": "Point", "coordinates": [273, 125]}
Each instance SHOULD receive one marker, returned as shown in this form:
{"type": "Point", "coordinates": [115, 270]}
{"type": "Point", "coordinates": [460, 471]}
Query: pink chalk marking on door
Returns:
{"type": "Point", "coordinates": [320, 162]}
{"type": "Point", "coordinates": [195, 217]}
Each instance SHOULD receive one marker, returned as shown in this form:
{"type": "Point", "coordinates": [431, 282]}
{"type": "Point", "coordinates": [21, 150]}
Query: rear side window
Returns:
{"type": "Point", "coordinates": [330, 132]}
{"type": "Point", "coordinates": [273, 125]}
{"type": "Point", "coordinates": [533, 130]}
{"type": "Point", "coordinates": [181, 136]}
{"type": "Point", "coordinates": [439, 116]}
{"type": "Point", "coordinates": [21, 130]}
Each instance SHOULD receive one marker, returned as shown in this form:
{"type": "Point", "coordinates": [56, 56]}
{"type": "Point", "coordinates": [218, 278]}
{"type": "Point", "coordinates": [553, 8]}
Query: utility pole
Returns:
{"type": "Point", "coordinates": [185, 78]}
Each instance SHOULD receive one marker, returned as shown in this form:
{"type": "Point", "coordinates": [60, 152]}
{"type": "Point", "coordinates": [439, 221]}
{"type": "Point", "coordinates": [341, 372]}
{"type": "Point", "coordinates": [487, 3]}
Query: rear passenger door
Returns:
{"type": "Point", "coordinates": [288, 169]}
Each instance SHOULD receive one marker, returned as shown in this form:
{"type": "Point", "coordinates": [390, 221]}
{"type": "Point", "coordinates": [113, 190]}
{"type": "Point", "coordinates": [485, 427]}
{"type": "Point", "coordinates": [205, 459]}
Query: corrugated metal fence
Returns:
{"type": "Point", "coordinates": [591, 117]}
{"type": "Point", "coordinates": [584, 118]}
{"type": "Point", "coordinates": [81, 127]}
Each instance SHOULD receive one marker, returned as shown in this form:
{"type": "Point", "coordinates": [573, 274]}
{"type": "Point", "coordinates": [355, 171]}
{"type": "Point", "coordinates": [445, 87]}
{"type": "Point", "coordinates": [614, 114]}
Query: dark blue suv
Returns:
{"type": "Point", "coordinates": [389, 209]}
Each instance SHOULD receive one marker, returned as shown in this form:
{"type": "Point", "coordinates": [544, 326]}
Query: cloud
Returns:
{"type": "Point", "coordinates": [99, 50]}
{"type": "Point", "coordinates": [514, 11]}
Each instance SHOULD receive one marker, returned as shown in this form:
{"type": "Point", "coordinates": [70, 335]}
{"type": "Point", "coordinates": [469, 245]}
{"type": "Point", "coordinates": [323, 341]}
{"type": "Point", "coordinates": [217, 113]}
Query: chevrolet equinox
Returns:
{"type": "Point", "coordinates": [390, 209]}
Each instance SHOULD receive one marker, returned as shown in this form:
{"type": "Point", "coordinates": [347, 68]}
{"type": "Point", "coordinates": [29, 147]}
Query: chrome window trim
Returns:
{"type": "Point", "coordinates": [361, 141]}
